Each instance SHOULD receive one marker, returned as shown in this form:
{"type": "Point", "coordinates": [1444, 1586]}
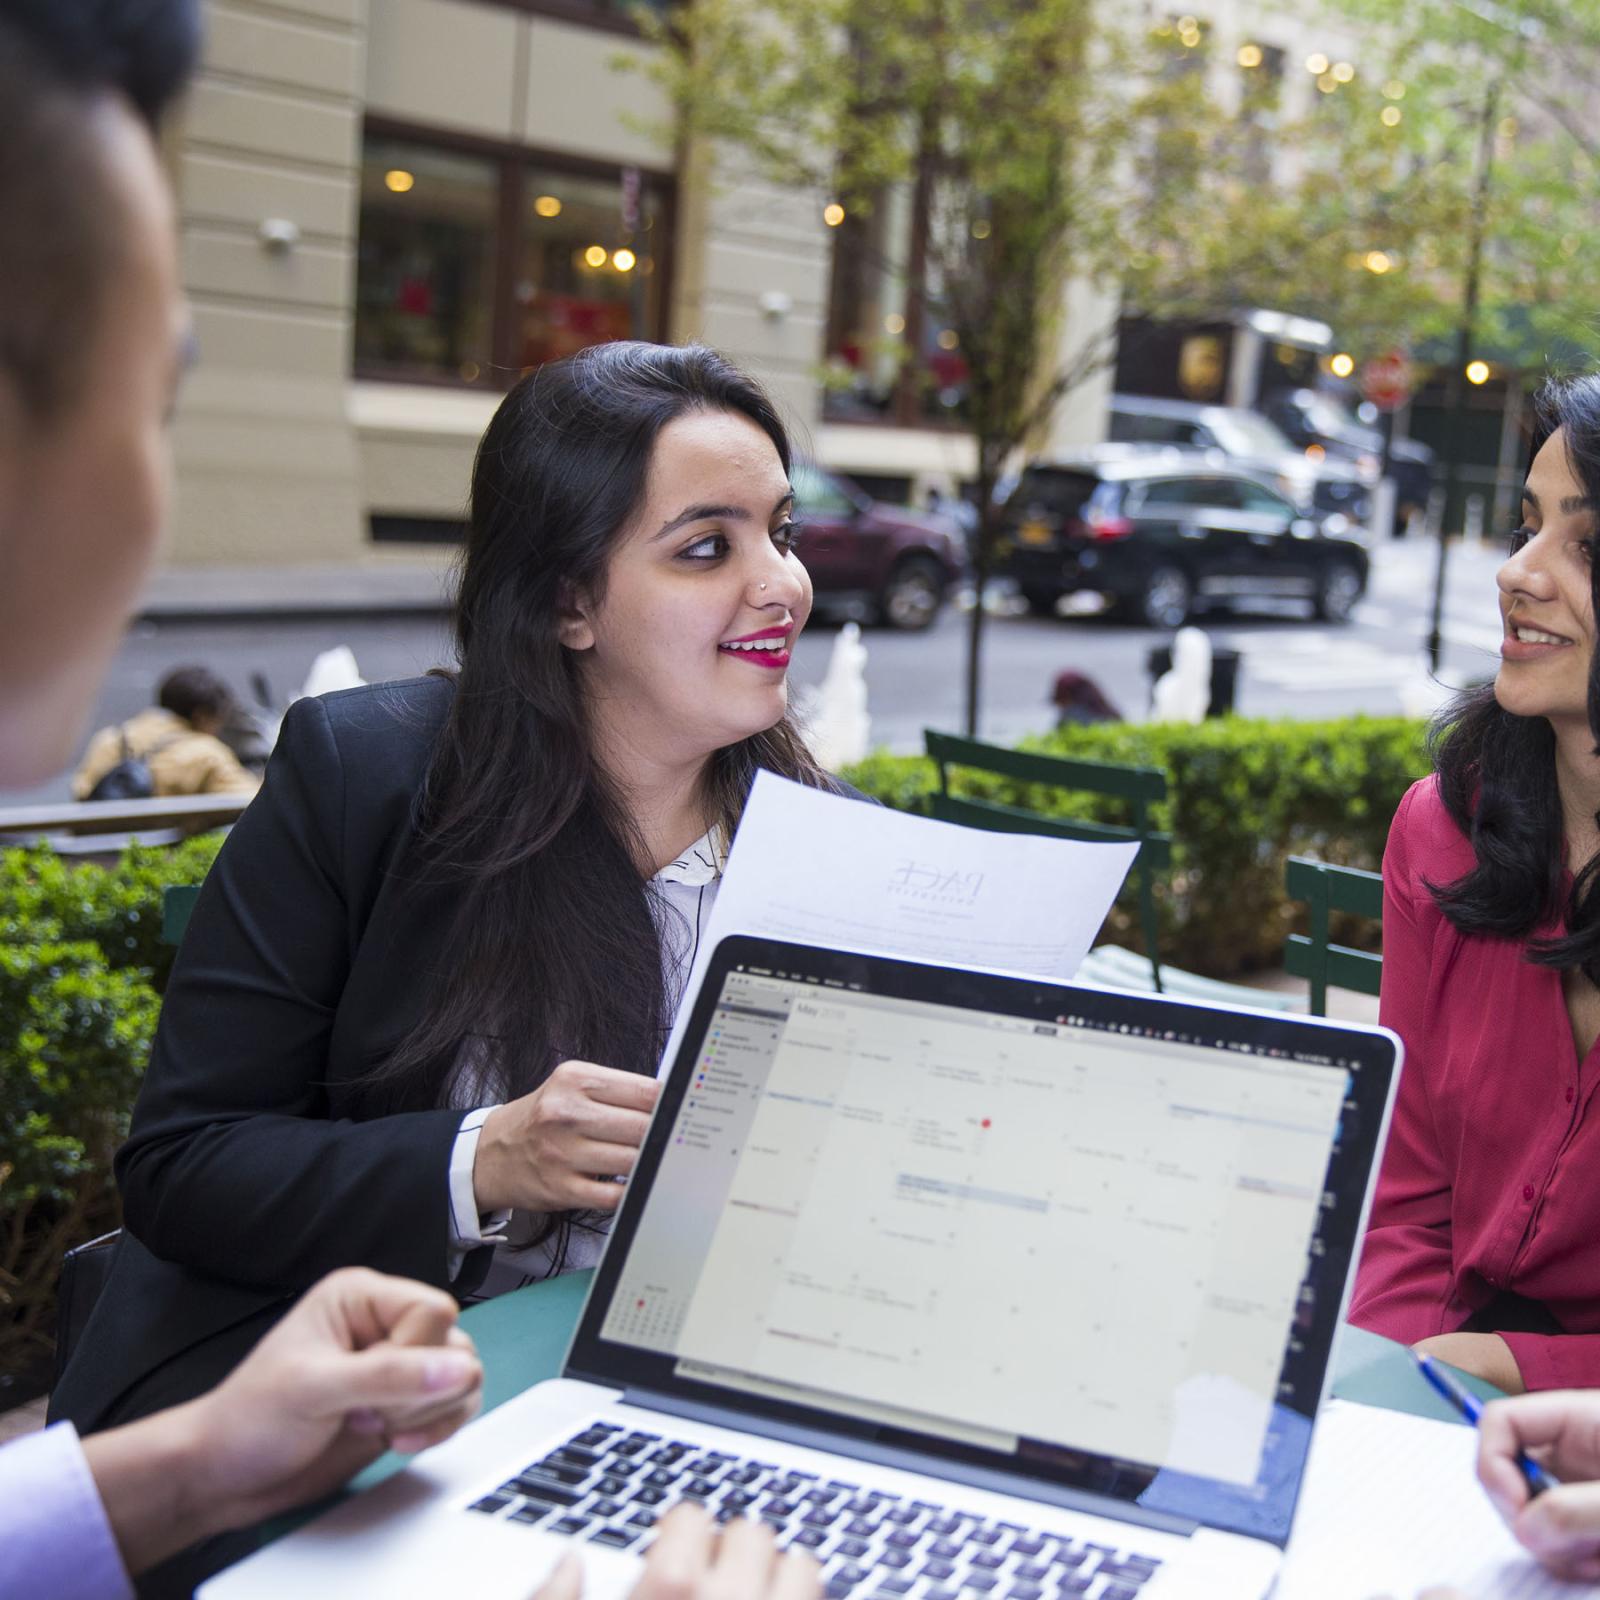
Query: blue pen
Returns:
{"type": "Point", "coordinates": [1471, 1407]}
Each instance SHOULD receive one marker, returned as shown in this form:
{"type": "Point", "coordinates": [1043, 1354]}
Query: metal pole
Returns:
{"type": "Point", "coordinates": [1456, 390]}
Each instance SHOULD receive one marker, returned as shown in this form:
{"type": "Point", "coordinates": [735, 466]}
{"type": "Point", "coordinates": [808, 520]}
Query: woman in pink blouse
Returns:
{"type": "Point", "coordinates": [1484, 1245]}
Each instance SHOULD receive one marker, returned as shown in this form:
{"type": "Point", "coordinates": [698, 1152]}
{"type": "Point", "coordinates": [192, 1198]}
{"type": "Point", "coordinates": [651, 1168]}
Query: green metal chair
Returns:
{"type": "Point", "coordinates": [1138, 787]}
{"type": "Point", "coordinates": [177, 903]}
{"type": "Point", "coordinates": [1326, 889]}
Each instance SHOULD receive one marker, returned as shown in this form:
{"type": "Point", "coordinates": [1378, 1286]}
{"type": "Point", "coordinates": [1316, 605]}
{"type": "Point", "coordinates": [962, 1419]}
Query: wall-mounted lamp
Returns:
{"type": "Point", "coordinates": [278, 235]}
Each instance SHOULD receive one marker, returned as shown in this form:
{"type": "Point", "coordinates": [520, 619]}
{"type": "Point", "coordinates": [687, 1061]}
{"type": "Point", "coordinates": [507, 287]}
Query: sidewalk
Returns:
{"type": "Point", "coordinates": [413, 583]}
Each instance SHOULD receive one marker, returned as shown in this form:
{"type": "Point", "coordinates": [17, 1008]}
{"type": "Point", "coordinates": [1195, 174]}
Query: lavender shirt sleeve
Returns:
{"type": "Point", "coordinates": [55, 1541]}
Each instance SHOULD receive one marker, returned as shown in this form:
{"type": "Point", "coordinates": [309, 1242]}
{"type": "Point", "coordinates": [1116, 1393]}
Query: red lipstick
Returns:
{"type": "Point", "coordinates": [754, 648]}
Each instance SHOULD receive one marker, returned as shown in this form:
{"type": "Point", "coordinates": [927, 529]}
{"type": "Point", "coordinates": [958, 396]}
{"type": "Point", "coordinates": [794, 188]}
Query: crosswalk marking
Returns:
{"type": "Point", "coordinates": [1323, 659]}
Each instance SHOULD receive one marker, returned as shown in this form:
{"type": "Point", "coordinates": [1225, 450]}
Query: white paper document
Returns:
{"type": "Point", "coordinates": [820, 869]}
{"type": "Point", "coordinates": [1391, 1506]}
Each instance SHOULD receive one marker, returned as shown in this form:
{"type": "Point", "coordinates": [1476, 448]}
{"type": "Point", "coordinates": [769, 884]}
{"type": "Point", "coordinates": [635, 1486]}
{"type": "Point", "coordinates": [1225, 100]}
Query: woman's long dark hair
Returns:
{"type": "Point", "coordinates": [1497, 771]}
{"type": "Point", "coordinates": [554, 952]}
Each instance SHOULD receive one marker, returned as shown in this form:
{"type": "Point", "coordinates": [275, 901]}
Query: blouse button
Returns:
{"type": "Point", "coordinates": [1527, 1191]}
{"type": "Point", "coordinates": [1569, 1097]}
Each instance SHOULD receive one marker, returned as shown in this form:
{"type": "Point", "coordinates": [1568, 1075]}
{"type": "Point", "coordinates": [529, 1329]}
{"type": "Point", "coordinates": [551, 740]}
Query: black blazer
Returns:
{"type": "Point", "coordinates": [254, 1165]}
{"type": "Point", "coordinates": [251, 1169]}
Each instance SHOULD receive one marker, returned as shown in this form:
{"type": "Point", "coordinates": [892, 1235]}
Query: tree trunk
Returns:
{"type": "Point", "coordinates": [982, 563]}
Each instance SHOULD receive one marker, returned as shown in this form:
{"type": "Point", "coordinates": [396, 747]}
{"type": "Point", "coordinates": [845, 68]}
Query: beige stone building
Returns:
{"type": "Point", "coordinates": [392, 207]}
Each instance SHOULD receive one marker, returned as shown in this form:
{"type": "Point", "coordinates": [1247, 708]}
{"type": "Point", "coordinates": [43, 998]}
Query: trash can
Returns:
{"type": "Point", "coordinates": [1224, 676]}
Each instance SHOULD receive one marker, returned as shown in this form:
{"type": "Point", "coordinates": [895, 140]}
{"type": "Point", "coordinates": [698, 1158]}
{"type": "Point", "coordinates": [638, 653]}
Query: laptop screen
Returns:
{"type": "Point", "coordinates": [1095, 1238]}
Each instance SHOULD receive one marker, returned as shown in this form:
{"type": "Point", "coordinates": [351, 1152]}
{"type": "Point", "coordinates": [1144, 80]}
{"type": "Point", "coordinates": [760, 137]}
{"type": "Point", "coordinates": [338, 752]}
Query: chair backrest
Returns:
{"type": "Point", "coordinates": [1138, 787]}
{"type": "Point", "coordinates": [177, 902]}
{"type": "Point", "coordinates": [84, 1271]}
{"type": "Point", "coordinates": [1326, 889]}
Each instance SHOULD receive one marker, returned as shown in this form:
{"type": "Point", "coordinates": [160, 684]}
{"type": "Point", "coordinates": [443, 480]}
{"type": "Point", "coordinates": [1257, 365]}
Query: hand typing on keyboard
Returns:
{"type": "Point", "coordinates": [691, 1560]}
{"type": "Point", "coordinates": [615, 1488]}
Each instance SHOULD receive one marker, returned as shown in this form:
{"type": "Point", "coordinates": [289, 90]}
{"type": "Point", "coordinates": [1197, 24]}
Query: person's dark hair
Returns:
{"type": "Point", "coordinates": [62, 232]}
{"type": "Point", "coordinates": [1497, 771]}
{"type": "Point", "coordinates": [554, 953]}
{"type": "Point", "coordinates": [188, 691]}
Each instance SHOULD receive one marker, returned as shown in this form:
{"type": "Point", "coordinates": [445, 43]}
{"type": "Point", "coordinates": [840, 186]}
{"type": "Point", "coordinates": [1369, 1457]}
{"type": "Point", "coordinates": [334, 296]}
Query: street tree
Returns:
{"type": "Point", "coordinates": [1443, 180]}
{"type": "Point", "coordinates": [1439, 199]}
{"type": "Point", "coordinates": [1037, 143]}
{"type": "Point", "coordinates": [1453, 158]}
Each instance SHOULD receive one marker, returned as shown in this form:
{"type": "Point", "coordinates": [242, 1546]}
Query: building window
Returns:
{"type": "Point", "coordinates": [476, 264]}
{"type": "Point", "coordinates": [588, 272]}
{"type": "Point", "coordinates": [425, 282]}
{"type": "Point", "coordinates": [616, 16]}
{"type": "Point", "coordinates": [891, 354]}
{"type": "Point", "coordinates": [1260, 107]}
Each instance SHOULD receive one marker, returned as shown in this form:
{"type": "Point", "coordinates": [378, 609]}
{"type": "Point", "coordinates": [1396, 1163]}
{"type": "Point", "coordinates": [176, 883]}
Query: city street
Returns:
{"type": "Point", "coordinates": [1291, 666]}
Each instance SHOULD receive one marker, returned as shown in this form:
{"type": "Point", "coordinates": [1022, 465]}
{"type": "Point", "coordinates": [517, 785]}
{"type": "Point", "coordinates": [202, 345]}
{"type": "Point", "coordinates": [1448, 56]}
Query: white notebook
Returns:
{"type": "Point", "coordinates": [1391, 1506]}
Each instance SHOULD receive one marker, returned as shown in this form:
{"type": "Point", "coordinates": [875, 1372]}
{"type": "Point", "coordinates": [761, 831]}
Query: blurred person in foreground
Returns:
{"type": "Point", "coordinates": [174, 748]}
{"type": "Point", "coordinates": [89, 287]}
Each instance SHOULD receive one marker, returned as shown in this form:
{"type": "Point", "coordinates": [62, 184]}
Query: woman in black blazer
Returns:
{"type": "Point", "coordinates": [427, 981]}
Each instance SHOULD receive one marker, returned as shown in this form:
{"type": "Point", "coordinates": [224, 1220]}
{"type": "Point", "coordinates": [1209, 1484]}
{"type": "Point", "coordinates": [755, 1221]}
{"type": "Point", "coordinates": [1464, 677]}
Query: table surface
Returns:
{"type": "Point", "coordinates": [523, 1339]}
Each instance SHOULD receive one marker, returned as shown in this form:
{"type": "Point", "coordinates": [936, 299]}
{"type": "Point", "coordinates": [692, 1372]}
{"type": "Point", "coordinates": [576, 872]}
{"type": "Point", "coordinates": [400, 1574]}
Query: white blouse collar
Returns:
{"type": "Point", "coordinates": [700, 864]}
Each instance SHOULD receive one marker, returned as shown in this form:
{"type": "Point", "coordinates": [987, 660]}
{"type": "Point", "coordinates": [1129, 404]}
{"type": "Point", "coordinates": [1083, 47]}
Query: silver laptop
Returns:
{"type": "Point", "coordinates": [972, 1286]}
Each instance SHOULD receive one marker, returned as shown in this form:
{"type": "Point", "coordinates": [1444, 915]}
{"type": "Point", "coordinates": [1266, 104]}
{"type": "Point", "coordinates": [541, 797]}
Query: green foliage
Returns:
{"type": "Point", "coordinates": [80, 965]}
{"type": "Point", "coordinates": [82, 1032]}
{"type": "Point", "coordinates": [1032, 140]}
{"type": "Point", "coordinates": [1454, 125]}
{"type": "Point", "coordinates": [44, 897]}
{"type": "Point", "coordinates": [1243, 796]}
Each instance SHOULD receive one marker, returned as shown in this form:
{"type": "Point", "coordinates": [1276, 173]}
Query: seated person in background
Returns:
{"type": "Point", "coordinates": [1481, 1246]}
{"type": "Point", "coordinates": [176, 741]}
{"type": "Point", "coordinates": [416, 1018]}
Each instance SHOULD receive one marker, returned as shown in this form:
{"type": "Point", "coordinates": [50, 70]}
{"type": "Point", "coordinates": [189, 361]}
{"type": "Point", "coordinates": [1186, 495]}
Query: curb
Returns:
{"type": "Point", "coordinates": [179, 614]}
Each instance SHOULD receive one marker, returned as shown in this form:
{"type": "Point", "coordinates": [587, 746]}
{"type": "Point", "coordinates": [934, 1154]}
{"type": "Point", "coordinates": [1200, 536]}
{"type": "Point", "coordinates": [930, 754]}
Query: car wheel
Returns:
{"type": "Point", "coordinates": [1339, 586]}
{"type": "Point", "coordinates": [1041, 602]}
{"type": "Point", "coordinates": [912, 596]}
{"type": "Point", "coordinates": [1167, 595]}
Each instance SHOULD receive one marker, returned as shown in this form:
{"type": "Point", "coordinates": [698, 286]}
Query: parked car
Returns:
{"type": "Point", "coordinates": [894, 563]}
{"type": "Point", "coordinates": [1246, 439]}
{"type": "Point", "coordinates": [1310, 417]}
{"type": "Point", "coordinates": [1163, 537]}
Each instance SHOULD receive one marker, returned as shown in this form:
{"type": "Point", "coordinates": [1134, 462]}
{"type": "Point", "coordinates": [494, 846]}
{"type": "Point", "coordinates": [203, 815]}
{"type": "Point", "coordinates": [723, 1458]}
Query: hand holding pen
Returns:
{"type": "Point", "coordinates": [1535, 1479]}
{"type": "Point", "coordinates": [1559, 1522]}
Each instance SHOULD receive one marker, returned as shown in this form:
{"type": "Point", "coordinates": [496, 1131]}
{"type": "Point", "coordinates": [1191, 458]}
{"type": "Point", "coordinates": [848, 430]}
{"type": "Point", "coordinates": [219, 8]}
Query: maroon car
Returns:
{"type": "Point", "coordinates": [895, 564]}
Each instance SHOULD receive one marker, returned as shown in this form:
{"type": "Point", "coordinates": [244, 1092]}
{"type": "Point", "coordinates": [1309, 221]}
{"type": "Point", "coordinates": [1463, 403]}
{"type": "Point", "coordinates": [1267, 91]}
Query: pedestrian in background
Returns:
{"type": "Point", "coordinates": [174, 748]}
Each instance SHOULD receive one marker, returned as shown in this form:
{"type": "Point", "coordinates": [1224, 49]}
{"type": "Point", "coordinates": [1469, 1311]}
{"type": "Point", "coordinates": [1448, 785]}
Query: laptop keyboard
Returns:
{"type": "Point", "coordinates": [610, 1487]}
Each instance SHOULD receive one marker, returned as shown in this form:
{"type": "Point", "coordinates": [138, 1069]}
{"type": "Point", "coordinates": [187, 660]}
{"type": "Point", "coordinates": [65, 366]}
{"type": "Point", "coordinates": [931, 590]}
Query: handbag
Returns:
{"type": "Point", "coordinates": [131, 778]}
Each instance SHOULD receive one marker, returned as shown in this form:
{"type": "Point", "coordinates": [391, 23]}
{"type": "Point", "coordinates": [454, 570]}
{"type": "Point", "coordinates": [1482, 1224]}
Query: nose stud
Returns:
{"type": "Point", "coordinates": [763, 585]}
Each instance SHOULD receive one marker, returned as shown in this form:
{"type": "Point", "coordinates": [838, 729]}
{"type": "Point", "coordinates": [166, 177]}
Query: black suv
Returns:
{"type": "Point", "coordinates": [1163, 539]}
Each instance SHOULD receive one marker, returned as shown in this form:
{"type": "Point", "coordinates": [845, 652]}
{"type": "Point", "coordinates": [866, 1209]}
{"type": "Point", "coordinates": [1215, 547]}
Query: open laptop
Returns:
{"type": "Point", "coordinates": [973, 1286]}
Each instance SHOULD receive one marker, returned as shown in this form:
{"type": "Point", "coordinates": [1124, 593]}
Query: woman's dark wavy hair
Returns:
{"type": "Point", "coordinates": [554, 953]}
{"type": "Point", "coordinates": [1497, 771]}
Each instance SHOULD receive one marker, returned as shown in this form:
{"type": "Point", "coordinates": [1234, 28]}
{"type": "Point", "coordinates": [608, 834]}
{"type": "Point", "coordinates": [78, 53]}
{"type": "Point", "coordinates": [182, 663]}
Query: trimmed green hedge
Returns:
{"type": "Point", "coordinates": [81, 963]}
{"type": "Point", "coordinates": [1243, 796]}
